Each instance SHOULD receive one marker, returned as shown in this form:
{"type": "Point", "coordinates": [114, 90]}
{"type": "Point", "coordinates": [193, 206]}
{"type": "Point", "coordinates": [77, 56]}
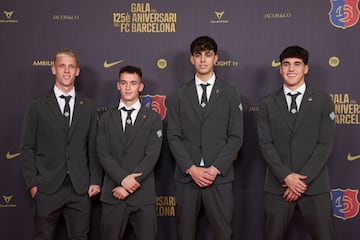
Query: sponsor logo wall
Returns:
{"type": "Point", "coordinates": [156, 36]}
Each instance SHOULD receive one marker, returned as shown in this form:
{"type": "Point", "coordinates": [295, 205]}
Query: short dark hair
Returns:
{"type": "Point", "coordinates": [203, 43]}
{"type": "Point", "coordinates": [295, 52]}
{"type": "Point", "coordinates": [131, 69]}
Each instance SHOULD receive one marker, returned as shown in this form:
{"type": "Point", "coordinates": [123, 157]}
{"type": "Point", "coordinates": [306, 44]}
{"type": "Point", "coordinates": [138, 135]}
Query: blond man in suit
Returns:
{"type": "Point", "coordinates": [58, 153]}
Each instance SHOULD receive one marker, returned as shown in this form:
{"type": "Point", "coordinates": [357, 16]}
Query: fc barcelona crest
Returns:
{"type": "Point", "coordinates": [344, 13]}
{"type": "Point", "coordinates": [156, 103]}
{"type": "Point", "coordinates": [345, 203]}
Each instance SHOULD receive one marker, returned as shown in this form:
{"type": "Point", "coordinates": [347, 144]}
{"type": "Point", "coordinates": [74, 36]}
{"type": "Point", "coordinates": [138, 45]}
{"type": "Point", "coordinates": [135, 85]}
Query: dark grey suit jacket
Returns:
{"type": "Point", "coordinates": [214, 133]}
{"type": "Point", "coordinates": [49, 149]}
{"type": "Point", "coordinates": [122, 156]}
{"type": "Point", "coordinates": [304, 149]}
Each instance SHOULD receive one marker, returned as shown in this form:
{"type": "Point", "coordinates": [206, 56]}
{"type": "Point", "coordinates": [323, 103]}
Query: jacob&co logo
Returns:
{"type": "Point", "coordinates": [345, 203]}
{"type": "Point", "coordinates": [65, 17]}
{"type": "Point", "coordinates": [277, 15]}
{"type": "Point", "coordinates": [344, 14]}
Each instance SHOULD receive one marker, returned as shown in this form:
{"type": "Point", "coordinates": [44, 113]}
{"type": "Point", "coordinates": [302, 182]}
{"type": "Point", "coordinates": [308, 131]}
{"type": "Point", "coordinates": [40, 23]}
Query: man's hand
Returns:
{"type": "Point", "coordinates": [93, 190]}
{"type": "Point", "coordinates": [120, 193]}
{"type": "Point", "coordinates": [212, 172]}
{"type": "Point", "coordinates": [296, 183]}
{"type": "Point", "coordinates": [290, 196]}
{"type": "Point", "coordinates": [33, 191]}
{"type": "Point", "coordinates": [203, 177]}
{"type": "Point", "coordinates": [129, 182]}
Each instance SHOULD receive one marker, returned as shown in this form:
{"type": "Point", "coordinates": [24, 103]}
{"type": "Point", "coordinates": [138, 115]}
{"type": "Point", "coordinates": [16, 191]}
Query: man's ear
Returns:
{"type": "Point", "coordinates": [53, 69]}
{"type": "Point", "coordinates": [192, 59]}
{"type": "Point", "coordinates": [306, 69]}
{"type": "Point", "coordinates": [141, 87]}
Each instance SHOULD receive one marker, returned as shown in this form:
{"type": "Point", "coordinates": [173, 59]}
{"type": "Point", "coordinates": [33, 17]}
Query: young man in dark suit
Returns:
{"type": "Point", "coordinates": [296, 131]}
{"type": "Point", "coordinates": [205, 133]}
{"type": "Point", "coordinates": [129, 143]}
{"type": "Point", "coordinates": [58, 152]}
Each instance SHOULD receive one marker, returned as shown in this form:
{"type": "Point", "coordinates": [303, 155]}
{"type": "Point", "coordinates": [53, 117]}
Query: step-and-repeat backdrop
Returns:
{"type": "Point", "coordinates": [155, 36]}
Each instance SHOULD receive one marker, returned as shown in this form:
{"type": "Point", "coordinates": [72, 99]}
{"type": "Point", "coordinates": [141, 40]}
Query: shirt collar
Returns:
{"type": "Point", "coordinates": [211, 81]}
{"type": "Point", "coordinates": [301, 90]}
{"type": "Point", "coordinates": [136, 105]}
{"type": "Point", "coordinates": [58, 92]}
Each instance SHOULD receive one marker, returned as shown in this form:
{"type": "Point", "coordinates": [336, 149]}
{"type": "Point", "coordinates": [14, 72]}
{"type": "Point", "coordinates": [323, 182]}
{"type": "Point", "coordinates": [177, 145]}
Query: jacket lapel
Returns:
{"type": "Point", "coordinates": [216, 92]}
{"type": "Point", "coordinates": [77, 112]}
{"type": "Point", "coordinates": [304, 107]}
{"type": "Point", "coordinates": [281, 103]}
{"type": "Point", "coordinates": [193, 97]}
{"type": "Point", "coordinates": [117, 122]}
{"type": "Point", "coordinates": [140, 120]}
{"type": "Point", "coordinates": [56, 111]}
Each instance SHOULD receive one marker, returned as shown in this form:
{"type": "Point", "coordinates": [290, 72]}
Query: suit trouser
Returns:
{"type": "Point", "coordinates": [316, 210]}
{"type": "Point", "coordinates": [217, 201]}
{"type": "Point", "coordinates": [115, 218]}
{"type": "Point", "coordinates": [74, 207]}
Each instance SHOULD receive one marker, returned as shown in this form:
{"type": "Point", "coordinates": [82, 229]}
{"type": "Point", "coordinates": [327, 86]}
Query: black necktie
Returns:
{"type": "Point", "coordinates": [66, 112]}
{"type": "Point", "coordinates": [204, 95]}
{"type": "Point", "coordinates": [293, 106]}
{"type": "Point", "coordinates": [128, 121]}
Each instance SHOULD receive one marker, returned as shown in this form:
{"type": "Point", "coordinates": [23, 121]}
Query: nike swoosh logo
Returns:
{"type": "Point", "coordinates": [352, 158]}
{"type": "Point", "coordinates": [275, 64]}
{"type": "Point", "coordinates": [11, 156]}
{"type": "Point", "coordinates": [109, 65]}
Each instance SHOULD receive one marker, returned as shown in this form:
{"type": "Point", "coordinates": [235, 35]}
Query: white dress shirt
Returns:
{"type": "Point", "coordinates": [209, 88]}
{"type": "Point", "coordinates": [300, 90]}
{"type": "Point", "coordinates": [199, 90]}
{"type": "Point", "coordinates": [136, 106]}
{"type": "Point", "coordinates": [61, 101]}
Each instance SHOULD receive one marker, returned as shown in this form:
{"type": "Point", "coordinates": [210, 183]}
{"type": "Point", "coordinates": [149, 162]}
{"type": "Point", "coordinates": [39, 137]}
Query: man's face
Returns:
{"type": "Point", "coordinates": [293, 71]}
{"type": "Point", "coordinates": [65, 70]}
{"type": "Point", "coordinates": [204, 62]}
{"type": "Point", "coordinates": [130, 86]}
